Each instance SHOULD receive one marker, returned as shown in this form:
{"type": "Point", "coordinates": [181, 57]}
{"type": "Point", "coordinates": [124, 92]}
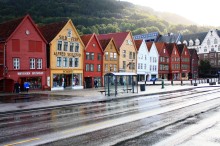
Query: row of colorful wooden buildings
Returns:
{"type": "Point", "coordinates": [55, 57]}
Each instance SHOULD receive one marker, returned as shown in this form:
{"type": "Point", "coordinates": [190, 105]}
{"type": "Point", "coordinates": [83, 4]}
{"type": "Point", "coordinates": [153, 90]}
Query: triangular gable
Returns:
{"type": "Point", "coordinates": [138, 43]}
{"type": "Point", "coordinates": [14, 26]}
{"type": "Point", "coordinates": [88, 38]}
{"type": "Point", "coordinates": [149, 45]}
{"type": "Point", "coordinates": [119, 37]}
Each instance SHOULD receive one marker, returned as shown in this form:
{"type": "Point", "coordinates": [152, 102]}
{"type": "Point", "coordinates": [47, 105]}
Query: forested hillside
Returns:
{"type": "Point", "coordinates": [99, 16]}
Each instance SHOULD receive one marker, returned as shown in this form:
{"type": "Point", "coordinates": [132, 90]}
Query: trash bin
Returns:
{"type": "Point", "coordinates": [207, 80]}
{"type": "Point", "coordinates": [142, 86]}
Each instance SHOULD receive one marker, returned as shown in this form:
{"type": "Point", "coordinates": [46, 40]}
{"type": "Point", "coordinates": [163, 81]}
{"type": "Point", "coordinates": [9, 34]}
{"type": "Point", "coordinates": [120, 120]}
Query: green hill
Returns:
{"type": "Point", "coordinates": [99, 16]}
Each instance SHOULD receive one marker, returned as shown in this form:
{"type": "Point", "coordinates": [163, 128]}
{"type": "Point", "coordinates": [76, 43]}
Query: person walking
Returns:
{"type": "Point", "coordinates": [96, 83]}
{"type": "Point", "coordinates": [26, 86]}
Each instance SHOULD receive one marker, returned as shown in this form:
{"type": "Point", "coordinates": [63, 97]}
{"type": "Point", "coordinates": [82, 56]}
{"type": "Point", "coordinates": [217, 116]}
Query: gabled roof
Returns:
{"type": "Point", "coordinates": [119, 37]}
{"type": "Point", "coordinates": [149, 45]}
{"type": "Point", "coordinates": [104, 43]}
{"type": "Point", "coordinates": [8, 28]}
{"type": "Point", "coordinates": [87, 38]}
{"type": "Point", "coordinates": [180, 48]}
{"type": "Point", "coordinates": [170, 38]}
{"type": "Point", "coordinates": [193, 52]}
{"type": "Point", "coordinates": [51, 30]}
{"type": "Point", "coordinates": [170, 47]}
{"type": "Point", "coordinates": [138, 43]}
{"type": "Point", "coordinates": [159, 46]}
{"type": "Point", "coordinates": [201, 36]}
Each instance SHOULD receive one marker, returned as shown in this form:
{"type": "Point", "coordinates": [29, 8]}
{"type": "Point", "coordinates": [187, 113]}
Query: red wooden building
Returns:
{"type": "Point", "coordinates": [175, 72]}
{"type": "Point", "coordinates": [23, 55]}
{"type": "Point", "coordinates": [163, 68]}
{"type": "Point", "coordinates": [184, 61]}
{"type": "Point", "coordinates": [93, 60]}
{"type": "Point", "coordinates": [194, 63]}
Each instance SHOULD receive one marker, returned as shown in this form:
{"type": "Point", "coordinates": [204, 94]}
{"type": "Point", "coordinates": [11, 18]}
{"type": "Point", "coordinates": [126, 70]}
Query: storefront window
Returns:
{"type": "Point", "coordinates": [57, 80]}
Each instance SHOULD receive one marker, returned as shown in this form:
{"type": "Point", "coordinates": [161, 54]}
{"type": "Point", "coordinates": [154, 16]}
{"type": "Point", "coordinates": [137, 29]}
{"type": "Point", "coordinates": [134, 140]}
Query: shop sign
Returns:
{"type": "Point", "coordinates": [61, 37]}
{"type": "Point", "coordinates": [67, 54]}
{"type": "Point", "coordinates": [67, 71]}
{"type": "Point", "coordinates": [29, 73]}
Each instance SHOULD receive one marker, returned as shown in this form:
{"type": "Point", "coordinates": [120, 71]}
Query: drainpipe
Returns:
{"type": "Point", "coordinates": [4, 66]}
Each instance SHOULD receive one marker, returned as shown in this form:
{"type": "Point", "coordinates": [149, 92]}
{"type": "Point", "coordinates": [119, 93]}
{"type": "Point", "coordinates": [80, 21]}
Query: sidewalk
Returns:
{"type": "Point", "coordinates": [68, 97]}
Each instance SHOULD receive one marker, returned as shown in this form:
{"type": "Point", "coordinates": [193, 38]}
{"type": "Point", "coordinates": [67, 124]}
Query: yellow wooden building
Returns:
{"type": "Point", "coordinates": [65, 55]}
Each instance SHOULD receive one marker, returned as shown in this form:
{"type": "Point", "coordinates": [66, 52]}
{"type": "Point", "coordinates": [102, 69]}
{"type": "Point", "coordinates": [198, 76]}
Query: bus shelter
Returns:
{"type": "Point", "coordinates": [120, 82]}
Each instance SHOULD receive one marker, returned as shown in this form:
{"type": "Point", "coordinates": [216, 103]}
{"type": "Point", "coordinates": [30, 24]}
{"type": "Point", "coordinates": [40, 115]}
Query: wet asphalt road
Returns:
{"type": "Point", "coordinates": [110, 123]}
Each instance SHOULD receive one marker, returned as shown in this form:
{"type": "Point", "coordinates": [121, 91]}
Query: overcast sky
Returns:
{"type": "Point", "coordinates": [202, 12]}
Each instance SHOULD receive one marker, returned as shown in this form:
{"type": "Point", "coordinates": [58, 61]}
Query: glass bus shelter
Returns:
{"type": "Point", "coordinates": [120, 82]}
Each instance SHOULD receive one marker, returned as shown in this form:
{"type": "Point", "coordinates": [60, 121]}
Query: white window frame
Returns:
{"type": "Point", "coordinates": [59, 61]}
{"type": "Point", "coordinates": [65, 62]}
{"type": "Point", "coordinates": [39, 63]}
{"type": "Point", "coordinates": [32, 63]}
{"type": "Point", "coordinates": [16, 63]}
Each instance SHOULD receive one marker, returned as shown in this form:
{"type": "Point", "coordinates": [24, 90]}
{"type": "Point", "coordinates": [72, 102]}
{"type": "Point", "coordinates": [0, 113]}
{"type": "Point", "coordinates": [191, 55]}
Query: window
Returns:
{"type": "Point", "coordinates": [87, 56]}
{"type": "Point", "coordinates": [124, 64]}
{"type": "Point", "coordinates": [99, 56]}
{"type": "Point", "coordinates": [65, 60]}
{"type": "Point", "coordinates": [39, 63]}
{"type": "Point", "coordinates": [32, 63]}
{"type": "Point", "coordinates": [115, 67]}
{"type": "Point", "coordinates": [59, 46]}
{"type": "Point", "coordinates": [110, 66]}
{"type": "Point", "coordinates": [139, 65]}
{"type": "Point", "coordinates": [69, 33]}
{"type": "Point", "coordinates": [115, 56]}
{"type": "Point", "coordinates": [77, 47]}
{"type": "Point", "coordinates": [16, 63]}
{"type": "Point", "coordinates": [76, 62]}
{"type": "Point", "coordinates": [87, 67]}
{"type": "Point", "coordinates": [124, 53]}
{"type": "Point", "coordinates": [134, 55]}
{"type": "Point", "coordinates": [106, 55]}
{"type": "Point", "coordinates": [215, 41]}
{"type": "Point", "coordinates": [164, 50]}
{"type": "Point", "coordinates": [111, 56]}
{"type": "Point", "coordinates": [197, 42]}
{"type": "Point", "coordinates": [70, 62]}
{"type": "Point", "coordinates": [59, 61]}
{"type": "Point", "coordinates": [98, 67]}
{"type": "Point", "coordinates": [208, 42]}
{"type": "Point", "coordinates": [92, 56]}
{"type": "Point", "coordinates": [91, 67]}
{"type": "Point", "coordinates": [65, 46]}
{"type": "Point", "coordinates": [130, 55]}
{"type": "Point", "coordinates": [106, 67]}
{"type": "Point", "coordinates": [218, 47]}
{"type": "Point", "coordinates": [71, 47]}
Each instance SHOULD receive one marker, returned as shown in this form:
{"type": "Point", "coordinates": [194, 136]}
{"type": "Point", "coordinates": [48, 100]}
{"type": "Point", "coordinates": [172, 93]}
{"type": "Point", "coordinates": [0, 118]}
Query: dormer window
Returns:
{"type": "Point", "coordinates": [185, 42]}
{"type": "Point", "coordinates": [197, 42]}
{"type": "Point", "coordinates": [191, 43]}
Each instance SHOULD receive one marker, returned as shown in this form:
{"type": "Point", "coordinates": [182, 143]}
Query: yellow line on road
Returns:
{"type": "Point", "coordinates": [29, 140]}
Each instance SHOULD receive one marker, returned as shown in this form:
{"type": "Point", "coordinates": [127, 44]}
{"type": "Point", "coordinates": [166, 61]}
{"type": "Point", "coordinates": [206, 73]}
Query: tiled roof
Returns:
{"type": "Point", "coordinates": [86, 38]}
{"type": "Point", "coordinates": [149, 45]}
{"type": "Point", "coordinates": [201, 36]}
{"type": "Point", "coordinates": [50, 31]}
{"type": "Point", "coordinates": [159, 46]}
{"type": "Point", "coordinates": [180, 48]}
{"type": "Point", "coordinates": [104, 43]}
{"type": "Point", "coordinates": [138, 43]}
{"type": "Point", "coordinates": [170, 47]}
{"type": "Point", "coordinates": [119, 37]}
{"type": "Point", "coordinates": [7, 28]}
{"type": "Point", "coordinates": [170, 38]}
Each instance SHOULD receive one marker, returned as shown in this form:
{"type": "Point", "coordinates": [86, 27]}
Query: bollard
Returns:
{"type": "Point", "coordinates": [162, 84]}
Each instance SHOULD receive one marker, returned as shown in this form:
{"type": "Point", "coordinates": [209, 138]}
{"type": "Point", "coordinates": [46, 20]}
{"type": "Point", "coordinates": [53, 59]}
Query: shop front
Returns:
{"type": "Point", "coordinates": [66, 79]}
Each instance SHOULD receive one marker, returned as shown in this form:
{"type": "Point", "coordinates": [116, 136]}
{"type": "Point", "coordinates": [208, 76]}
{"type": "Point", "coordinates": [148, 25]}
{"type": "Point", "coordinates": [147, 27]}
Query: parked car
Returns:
{"type": "Point", "coordinates": [153, 79]}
